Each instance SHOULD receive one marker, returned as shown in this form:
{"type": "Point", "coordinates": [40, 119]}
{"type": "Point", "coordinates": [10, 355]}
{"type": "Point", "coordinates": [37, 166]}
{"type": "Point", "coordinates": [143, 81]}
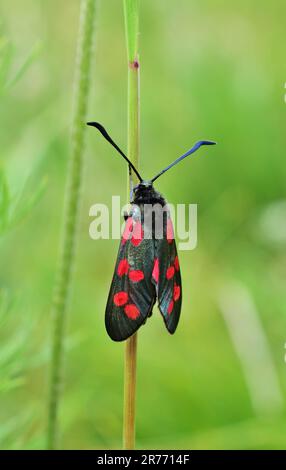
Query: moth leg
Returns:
{"type": "Point", "coordinates": [126, 215]}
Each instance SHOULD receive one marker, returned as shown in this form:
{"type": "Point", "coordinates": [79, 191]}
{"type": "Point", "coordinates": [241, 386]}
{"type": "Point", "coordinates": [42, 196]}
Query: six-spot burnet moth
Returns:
{"type": "Point", "coordinates": [147, 267]}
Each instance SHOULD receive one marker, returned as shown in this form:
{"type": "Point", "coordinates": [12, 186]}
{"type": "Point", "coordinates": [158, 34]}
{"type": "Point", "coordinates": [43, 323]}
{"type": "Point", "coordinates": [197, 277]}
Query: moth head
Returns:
{"type": "Point", "coordinates": [143, 186]}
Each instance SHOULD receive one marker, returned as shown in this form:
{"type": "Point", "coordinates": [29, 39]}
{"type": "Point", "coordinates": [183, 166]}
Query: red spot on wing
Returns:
{"type": "Point", "coordinates": [170, 231]}
{"type": "Point", "coordinates": [120, 298]}
{"type": "Point", "coordinates": [131, 311]}
{"type": "Point", "coordinates": [170, 272]}
{"type": "Point", "coordinates": [123, 267]}
{"type": "Point", "coordinates": [136, 275]}
{"type": "Point", "coordinates": [137, 235]}
{"type": "Point", "coordinates": [177, 264]}
{"type": "Point", "coordinates": [177, 292]}
{"type": "Point", "coordinates": [127, 230]}
{"type": "Point", "coordinates": [170, 307]}
{"type": "Point", "coordinates": [155, 272]}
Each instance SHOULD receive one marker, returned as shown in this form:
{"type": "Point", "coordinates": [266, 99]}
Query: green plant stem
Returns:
{"type": "Point", "coordinates": [71, 212]}
{"type": "Point", "coordinates": [131, 27]}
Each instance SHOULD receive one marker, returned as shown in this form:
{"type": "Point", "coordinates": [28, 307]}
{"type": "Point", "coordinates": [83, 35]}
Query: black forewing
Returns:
{"type": "Point", "coordinates": [169, 289]}
{"type": "Point", "coordinates": [134, 259]}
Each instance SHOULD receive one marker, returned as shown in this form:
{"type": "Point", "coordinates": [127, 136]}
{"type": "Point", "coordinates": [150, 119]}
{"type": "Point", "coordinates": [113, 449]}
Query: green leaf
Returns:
{"type": "Point", "coordinates": [6, 303]}
{"type": "Point", "coordinates": [4, 202]}
{"type": "Point", "coordinates": [26, 201]}
{"type": "Point", "coordinates": [32, 55]}
{"type": "Point", "coordinates": [6, 54]}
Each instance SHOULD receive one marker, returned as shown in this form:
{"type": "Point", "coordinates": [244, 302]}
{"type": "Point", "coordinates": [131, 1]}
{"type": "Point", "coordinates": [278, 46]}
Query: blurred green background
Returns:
{"type": "Point", "coordinates": [209, 69]}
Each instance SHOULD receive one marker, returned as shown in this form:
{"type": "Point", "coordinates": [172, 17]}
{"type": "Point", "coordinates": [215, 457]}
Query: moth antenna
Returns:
{"type": "Point", "coordinates": [109, 139]}
{"type": "Point", "coordinates": [189, 152]}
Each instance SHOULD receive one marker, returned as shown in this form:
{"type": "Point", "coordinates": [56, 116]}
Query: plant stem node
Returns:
{"type": "Point", "coordinates": [134, 64]}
